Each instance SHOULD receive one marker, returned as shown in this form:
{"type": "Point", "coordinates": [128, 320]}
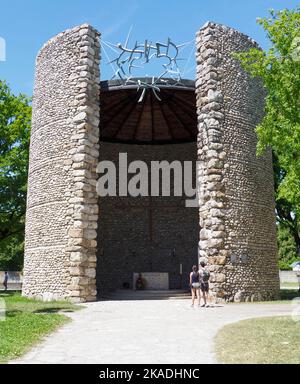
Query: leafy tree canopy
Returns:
{"type": "Point", "coordinates": [279, 70]}
{"type": "Point", "coordinates": [15, 119]}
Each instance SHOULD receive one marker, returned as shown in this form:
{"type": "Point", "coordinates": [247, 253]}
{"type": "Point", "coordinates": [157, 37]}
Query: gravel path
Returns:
{"type": "Point", "coordinates": [147, 332]}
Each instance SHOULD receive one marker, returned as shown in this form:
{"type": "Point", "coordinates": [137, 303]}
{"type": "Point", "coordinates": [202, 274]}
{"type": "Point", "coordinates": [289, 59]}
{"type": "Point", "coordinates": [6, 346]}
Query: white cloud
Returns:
{"type": "Point", "coordinates": [117, 24]}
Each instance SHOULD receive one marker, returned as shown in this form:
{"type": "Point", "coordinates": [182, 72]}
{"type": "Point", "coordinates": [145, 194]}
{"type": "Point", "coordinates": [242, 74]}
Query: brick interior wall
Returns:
{"type": "Point", "coordinates": [134, 238]}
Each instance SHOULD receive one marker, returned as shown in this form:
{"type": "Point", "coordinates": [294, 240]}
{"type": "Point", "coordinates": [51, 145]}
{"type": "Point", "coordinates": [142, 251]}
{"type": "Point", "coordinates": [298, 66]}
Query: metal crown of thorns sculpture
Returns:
{"type": "Point", "coordinates": [128, 58]}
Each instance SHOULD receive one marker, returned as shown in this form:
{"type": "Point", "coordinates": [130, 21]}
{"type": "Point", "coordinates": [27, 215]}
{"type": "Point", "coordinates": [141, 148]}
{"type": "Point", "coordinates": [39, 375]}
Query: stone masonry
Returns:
{"type": "Point", "coordinates": [237, 211]}
{"type": "Point", "coordinates": [62, 209]}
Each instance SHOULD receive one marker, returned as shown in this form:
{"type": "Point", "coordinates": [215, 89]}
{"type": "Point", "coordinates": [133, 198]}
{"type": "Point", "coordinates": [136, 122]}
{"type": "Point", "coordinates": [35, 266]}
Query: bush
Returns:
{"type": "Point", "coordinates": [287, 250]}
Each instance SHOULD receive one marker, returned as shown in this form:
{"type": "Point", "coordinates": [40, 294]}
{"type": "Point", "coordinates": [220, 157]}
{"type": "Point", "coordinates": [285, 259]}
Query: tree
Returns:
{"type": "Point", "coordinates": [279, 70]}
{"type": "Point", "coordinates": [15, 119]}
{"type": "Point", "coordinates": [286, 217]}
{"type": "Point", "coordinates": [286, 247]}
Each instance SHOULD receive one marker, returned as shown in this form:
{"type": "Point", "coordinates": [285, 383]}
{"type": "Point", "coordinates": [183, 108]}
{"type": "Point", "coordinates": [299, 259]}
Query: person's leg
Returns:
{"type": "Point", "coordinates": [207, 298]}
{"type": "Point", "coordinates": [202, 290]}
{"type": "Point", "coordinates": [198, 296]}
{"type": "Point", "coordinates": [201, 296]}
{"type": "Point", "coordinates": [193, 296]}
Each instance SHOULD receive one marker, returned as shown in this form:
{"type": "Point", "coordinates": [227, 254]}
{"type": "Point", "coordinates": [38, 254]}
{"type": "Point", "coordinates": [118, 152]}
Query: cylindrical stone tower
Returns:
{"type": "Point", "coordinates": [62, 209]}
{"type": "Point", "coordinates": [237, 210]}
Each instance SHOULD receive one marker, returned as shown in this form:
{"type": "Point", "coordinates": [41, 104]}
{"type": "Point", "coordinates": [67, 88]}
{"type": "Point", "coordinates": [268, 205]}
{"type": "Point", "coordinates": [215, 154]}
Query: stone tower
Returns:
{"type": "Point", "coordinates": [62, 209]}
{"type": "Point", "coordinates": [237, 212]}
{"type": "Point", "coordinates": [237, 209]}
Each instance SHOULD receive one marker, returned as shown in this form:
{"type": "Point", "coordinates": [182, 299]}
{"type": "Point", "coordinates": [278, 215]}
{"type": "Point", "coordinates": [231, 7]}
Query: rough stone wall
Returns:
{"type": "Point", "coordinates": [236, 198]}
{"type": "Point", "coordinates": [237, 210]}
{"type": "Point", "coordinates": [134, 239]}
{"type": "Point", "coordinates": [62, 210]}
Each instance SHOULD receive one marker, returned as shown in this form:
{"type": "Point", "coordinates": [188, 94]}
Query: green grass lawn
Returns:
{"type": "Point", "coordinates": [273, 340]}
{"type": "Point", "coordinates": [27, 321]}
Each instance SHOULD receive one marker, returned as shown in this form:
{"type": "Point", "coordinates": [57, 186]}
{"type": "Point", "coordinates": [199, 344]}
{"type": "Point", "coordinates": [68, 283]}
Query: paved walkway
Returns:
{"type": "Point", "coordinates": [143, 332]}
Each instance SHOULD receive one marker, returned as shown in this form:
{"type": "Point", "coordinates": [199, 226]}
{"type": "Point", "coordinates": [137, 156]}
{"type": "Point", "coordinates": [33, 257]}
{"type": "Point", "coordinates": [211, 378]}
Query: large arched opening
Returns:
{"type": "Point", "coordinates": [148, 234]}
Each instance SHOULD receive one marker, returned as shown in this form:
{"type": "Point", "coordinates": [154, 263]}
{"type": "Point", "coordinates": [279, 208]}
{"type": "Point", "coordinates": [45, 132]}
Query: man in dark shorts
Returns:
{"type": "Point", "coordinates": [204, 282]}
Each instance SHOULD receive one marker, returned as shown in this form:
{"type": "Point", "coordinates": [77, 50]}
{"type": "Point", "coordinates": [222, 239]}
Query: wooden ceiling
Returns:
{"type": "Point", "coordinates": [124, 119]}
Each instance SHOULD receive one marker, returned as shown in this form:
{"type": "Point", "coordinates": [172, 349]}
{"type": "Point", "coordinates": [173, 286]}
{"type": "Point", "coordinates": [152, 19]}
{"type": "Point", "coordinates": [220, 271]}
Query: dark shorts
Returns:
{"type": "Point", "coordinates": [204, 287]}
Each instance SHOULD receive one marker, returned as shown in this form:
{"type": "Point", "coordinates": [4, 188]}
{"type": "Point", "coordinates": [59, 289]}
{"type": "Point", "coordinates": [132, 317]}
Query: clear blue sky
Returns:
{"type": "Point", "coordinates": [27, 24]}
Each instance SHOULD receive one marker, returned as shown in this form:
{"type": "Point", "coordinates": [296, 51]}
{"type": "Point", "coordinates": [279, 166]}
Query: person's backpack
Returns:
{"type": "Point", "coordinates": [205, 275]}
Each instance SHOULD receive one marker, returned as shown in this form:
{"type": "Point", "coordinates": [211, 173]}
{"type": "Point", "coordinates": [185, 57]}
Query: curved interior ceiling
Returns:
{"type": "Point", "coordinates": [125, 119]}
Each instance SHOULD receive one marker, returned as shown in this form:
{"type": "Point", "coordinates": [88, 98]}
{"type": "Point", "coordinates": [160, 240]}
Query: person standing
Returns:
{"type": "Point", "coordinates": [5, 280]}
{"type": "Point", "coordinates": [195, 285]}
{"type": "Point", "coordinates": [140, 283]}
{"type": "Point", "coordinates": [204, 282]}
